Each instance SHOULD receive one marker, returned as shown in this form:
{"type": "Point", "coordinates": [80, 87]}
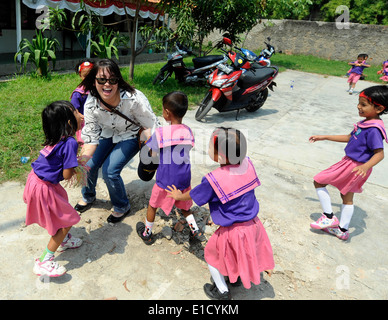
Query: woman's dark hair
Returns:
{"type": "Point", "coordinates": [112, 69]}
{"type": "Point", "coordinates": [176, 102]}
{"type": "Point", "coordinates": [58, 121]}
{"type": "Point", "coordinates": [231, 143]}
{"type": "Point", "coordinates": [378, 94]}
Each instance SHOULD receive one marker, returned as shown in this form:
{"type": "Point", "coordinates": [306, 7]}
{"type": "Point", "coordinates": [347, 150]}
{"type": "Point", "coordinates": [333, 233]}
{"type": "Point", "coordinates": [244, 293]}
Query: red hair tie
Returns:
{"type": "Point", "coordinates": [363, 95]}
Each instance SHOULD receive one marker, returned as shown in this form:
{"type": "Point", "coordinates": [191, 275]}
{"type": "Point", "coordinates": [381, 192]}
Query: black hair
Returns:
{"type": "Point", "coordinates": [378, 94]}
{"type": "Point", "coordinates": [58, 121]}
{"type": "Point", "coordinates": [177, 103]}
{"type": "Point", "coordinates": [231, 143]}
{"type": "Point", "coordinates": [112, 69]}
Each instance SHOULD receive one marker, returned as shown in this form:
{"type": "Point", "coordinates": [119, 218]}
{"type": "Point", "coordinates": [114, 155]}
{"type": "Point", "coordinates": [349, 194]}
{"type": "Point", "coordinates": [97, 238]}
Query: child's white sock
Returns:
{"type": "Point", "coordinates": [346, 215]}
{"type": "Point", "coordinates": [192, 223]}
{"type": "Point", "coordinates": [324, 199]}
{"type": "Point", "coordinates": [219, 279]}
{"type": "Point", "coordinates": [148, 228]}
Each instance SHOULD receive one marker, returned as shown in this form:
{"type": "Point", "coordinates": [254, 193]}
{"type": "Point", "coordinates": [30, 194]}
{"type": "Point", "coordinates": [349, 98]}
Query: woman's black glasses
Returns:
{"type": "Point", "coordinates": [111, 81]}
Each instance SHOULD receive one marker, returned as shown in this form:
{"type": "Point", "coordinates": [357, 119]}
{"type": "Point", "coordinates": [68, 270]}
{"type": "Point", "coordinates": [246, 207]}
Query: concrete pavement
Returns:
{"type": "Point", "coordinates": [309, 264]}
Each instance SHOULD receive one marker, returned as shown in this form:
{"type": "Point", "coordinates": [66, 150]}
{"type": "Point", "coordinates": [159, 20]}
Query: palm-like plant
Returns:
{"type": "Point", "coordinates": [39, 51]}
{"type": "Point", "coordinates": [106, 45]}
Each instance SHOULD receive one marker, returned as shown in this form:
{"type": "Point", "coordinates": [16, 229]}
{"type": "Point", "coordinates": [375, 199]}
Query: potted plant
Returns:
{"type": "Point", "coordinates": [39, 51]}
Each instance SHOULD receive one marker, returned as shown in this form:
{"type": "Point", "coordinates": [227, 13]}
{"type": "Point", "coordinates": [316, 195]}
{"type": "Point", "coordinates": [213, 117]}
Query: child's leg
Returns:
{"type": "Point", "coordinates": [328, 219]}
{"type": "Point", "coordinates": [54, 243]}
{"type": "Point", "coordinates": [45, 264]}
{"type": "Point", "coordinates": [219, 279]}
{"type": "Point", "coordinates": [149, 222]}
{"type": "Point", "coordinates": [324, 199]}
{"type": "Point", "coordinates": [346, 211]}
{"type": "Point", "coordinates": [190, 220]}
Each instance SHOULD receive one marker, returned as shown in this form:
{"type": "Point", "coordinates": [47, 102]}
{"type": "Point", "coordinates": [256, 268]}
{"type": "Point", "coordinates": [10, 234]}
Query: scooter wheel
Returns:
{"type": "Point", "coordinates": [258, 102]}
{"type": "Point", "coordinates": [204, 107]}
{"type": "Point", "coordinates": [161, 77]}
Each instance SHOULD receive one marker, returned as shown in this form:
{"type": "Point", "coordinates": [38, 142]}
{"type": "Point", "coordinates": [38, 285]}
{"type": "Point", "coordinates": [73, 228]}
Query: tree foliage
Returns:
{"type": "Point", "coordinates": [360, 11]}
{"type": "Point", "coordinates": [196, 19]}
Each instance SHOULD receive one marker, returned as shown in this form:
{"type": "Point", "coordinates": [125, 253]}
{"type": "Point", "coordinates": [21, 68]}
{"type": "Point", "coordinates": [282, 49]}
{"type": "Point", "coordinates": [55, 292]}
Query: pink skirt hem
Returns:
{"type": "Point", "coordinates": [241, 250]}
{"type": "Point", "coordinates": [340, 175]}
{"type": "Point", "coordinates": [48, 205]}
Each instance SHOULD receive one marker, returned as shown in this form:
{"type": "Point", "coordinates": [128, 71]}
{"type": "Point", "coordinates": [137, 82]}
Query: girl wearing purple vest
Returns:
{"type": "Point", "coordinates": [356, 71]}
{"type": "Point", "coordinates": [47, 201]}
{"type": "Point", "coordinates": [364, 149]}
{"type": "Point", "coordinates": [173, 144]}
{"type": "Point", "coordinates": [240, 247]}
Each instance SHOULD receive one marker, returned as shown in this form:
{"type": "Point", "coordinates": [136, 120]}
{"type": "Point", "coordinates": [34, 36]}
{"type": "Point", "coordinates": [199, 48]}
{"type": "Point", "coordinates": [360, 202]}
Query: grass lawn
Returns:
{"type": "Point", "coordinates": [22, 101]}
{"type": "Point", "coordinates": [322, 66]}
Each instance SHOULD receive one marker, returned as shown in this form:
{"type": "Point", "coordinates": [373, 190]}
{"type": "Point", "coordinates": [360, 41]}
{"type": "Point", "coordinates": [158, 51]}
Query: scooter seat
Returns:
{"type": "Point", "coordinates": [206, 60]}
{"type": "Point", "coordinates": [254, 76]}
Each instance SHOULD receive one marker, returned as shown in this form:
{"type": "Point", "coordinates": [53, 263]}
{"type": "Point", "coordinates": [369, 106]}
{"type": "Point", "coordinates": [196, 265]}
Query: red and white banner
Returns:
{"type": "Point", "coordinates": [103, 9]}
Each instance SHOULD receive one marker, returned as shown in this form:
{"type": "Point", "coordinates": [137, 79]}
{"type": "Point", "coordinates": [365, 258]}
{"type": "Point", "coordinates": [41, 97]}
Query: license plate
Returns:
{"type": "Point", "coordinates": [177, 64]}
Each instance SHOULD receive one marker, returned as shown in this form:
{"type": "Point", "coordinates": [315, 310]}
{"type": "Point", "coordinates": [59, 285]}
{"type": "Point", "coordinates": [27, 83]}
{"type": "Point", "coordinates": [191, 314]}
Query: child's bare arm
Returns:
{"type": "Point", "coordinates": [376, 158]}
{"type": "Point", "coordinates": [68, 173]}
{"type": "Point", "coordinates": [336, 138]}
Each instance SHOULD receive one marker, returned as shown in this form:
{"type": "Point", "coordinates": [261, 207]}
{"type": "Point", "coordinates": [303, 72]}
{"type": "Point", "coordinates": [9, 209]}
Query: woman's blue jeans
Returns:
{"type": "Point", "coordinates": [112, 157]}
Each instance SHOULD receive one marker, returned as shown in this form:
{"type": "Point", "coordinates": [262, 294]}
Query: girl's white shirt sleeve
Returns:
{"type": "Point", "coordinates": [102, 124]}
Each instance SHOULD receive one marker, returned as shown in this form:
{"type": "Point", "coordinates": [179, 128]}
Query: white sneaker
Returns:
{"type": "Point", "coordinates": [351, 91]}
{"type": "Point", "coordinates": [338, 233]}
{"type": "Point", "coordinates": [324, 222]}
{"type": "Point", "coordinates": [71, 243]}
{"type": "Point", "coordinates": [48, 268]}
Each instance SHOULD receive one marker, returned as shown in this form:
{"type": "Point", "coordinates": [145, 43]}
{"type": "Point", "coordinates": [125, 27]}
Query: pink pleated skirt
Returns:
{"type": "Point", "coordinates": [48, 205]}
{"type": "Point", "coordinates": [384, 78]}
{"type": "Point", "coordinates": [340, 175]}
{"type": "Point", "coordinates": [160, 200]}
{"type": "Point", "coordinates": [241, 250]}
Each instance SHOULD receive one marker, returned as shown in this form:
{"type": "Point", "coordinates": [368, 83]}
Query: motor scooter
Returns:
{"type": "Point", "coordinates": [263, 58]}
{"type": "Point", "coordinates": [203, 67]}
{"type": "Point", "coordinates": [237, 86]}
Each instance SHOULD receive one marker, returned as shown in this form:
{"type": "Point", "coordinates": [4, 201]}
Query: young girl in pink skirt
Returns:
{"type": "Point", "coordinates": [172, 144]}
{"type": "Point", "coordinates": [364, 149]}
{"type": "Point", "coordinates": [47, 201]}
{"type": "Point", "coordinates": [240, 247]}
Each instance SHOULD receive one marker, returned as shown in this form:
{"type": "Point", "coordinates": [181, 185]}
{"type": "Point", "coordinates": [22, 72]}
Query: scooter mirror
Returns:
{"type": "Point", "coordinates": [227, 41]}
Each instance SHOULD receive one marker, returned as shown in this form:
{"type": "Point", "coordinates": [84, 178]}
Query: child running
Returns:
{"type": "Point", "coordinates": [79, 95]}
{"type": "Point", "coordinates": [356, 71]}
{"type": "Point", "coordinates": [173, 143]}
{"type": "Point", "coordinates": [240, 246]}
{"type": "Point", "coordinates": [47, 201]}
{"type": "Point", "coordinates": [363, 151]}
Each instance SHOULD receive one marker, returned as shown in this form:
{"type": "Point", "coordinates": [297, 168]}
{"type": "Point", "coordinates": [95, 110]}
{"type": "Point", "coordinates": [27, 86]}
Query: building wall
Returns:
{"type": "Point", "coordinates": [322, 39]}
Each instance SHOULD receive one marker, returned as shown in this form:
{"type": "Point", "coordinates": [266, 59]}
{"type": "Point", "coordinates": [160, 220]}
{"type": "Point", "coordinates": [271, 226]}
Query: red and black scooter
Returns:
{"type": "Point", "coordinates": [238, 85]}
